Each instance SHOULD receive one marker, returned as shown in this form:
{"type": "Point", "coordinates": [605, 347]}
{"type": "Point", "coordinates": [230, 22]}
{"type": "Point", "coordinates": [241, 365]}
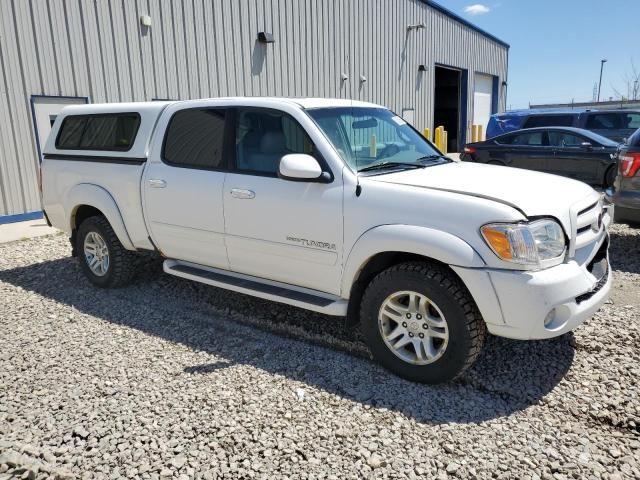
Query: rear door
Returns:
{"type": "Point", "coordinates": [183, 182]}
{"type": "Point", "coordinates": [529, 150]}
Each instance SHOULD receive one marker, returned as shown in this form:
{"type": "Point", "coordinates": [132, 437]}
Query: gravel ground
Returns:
{"type": "Point", "coordinates": [172, 379]}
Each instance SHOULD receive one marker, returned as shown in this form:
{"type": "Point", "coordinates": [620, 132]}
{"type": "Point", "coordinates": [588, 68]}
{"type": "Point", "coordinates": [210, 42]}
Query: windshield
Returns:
{"type": "Point", "coordinates": [365, 137]}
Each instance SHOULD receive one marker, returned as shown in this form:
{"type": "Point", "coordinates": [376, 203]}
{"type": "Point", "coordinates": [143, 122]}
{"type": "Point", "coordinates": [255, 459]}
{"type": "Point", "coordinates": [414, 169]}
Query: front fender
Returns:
{"type": "Point", "coordinates": [97, 197]}
{"type": "Point", "coordinates": [428, 242]}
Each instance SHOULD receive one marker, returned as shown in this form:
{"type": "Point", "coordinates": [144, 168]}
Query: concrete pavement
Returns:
{"type": "Point", "coordinates": [11, 232]}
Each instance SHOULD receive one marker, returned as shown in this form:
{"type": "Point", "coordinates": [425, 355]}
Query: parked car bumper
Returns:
{"type": "Point", "coordinates": [624, 198]}
{"type": "Point", "coordinates": [627, 203]}
{"type": "Point", "coordinates": [544, 304]}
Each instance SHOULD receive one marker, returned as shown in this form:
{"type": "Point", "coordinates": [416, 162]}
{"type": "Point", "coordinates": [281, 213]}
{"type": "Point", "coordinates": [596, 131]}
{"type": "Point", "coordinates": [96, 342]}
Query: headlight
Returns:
{"type": "Point", "coordinates": [525, 243]}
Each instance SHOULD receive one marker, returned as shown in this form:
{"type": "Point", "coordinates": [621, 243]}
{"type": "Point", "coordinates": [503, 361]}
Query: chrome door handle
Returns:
{"type": "Point", "coordinates": [240, 193]}
{"type": "Point", "coordinates": [157, 183]}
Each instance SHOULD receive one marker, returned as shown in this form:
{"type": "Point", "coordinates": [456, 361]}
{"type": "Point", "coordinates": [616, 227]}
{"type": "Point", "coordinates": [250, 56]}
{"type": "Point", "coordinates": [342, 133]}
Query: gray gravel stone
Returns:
{"type": "Point", "coordinates": [172, 379]}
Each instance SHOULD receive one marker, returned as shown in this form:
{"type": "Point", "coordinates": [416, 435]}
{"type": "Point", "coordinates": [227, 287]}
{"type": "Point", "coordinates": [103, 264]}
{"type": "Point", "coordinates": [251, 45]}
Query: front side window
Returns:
{"type": "Point", "coordinates": [195, 138]}
{"type": "Point", "coordinates": [366, 137]}
{"type": "Point", "coordinates": [561, 139]}
{"type": "Point", "coordinates": [264, 136]}
{"type": "Point", "coordinates": [109, 131]}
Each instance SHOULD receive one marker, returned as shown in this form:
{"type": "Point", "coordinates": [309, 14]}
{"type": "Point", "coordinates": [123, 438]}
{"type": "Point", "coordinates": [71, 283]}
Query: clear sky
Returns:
{"type": "Point", "coordinates": [557, 45]}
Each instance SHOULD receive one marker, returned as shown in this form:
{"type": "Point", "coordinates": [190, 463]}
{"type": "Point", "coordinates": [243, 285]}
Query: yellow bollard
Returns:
{"type": "Point", "coordinates": [426, 133]}
{"type": "Point", "coordinates": [445, 141]}
{"type": "Point", "coordinates": [474, 133]}
{"type": "Point", "coordinates": [437, 137]}
{"type": "Point", "coordinates": [373, 147]}
{"type": "Point", "coordinates": [480, 134]}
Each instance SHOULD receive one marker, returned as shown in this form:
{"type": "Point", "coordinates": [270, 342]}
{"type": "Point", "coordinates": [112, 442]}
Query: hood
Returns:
{"type": "Point", "coordinates": [532, 193]}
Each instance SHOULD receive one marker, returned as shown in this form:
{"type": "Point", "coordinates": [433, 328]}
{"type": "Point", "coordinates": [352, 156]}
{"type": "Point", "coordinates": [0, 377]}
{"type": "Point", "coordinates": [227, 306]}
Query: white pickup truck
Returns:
{"type": "Point", "coordinates": [334, 206]}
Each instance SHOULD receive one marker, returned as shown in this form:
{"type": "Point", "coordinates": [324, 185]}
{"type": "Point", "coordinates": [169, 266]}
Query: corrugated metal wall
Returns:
{"type": "Point", "coordinates": [205, 48]}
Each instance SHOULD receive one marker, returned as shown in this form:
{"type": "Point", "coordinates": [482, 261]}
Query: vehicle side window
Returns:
{"type": "Point", "coordinates": [109, 132]}
{"type": "Point", "coordinates": [264, 136]}
{"type": "Point", "coordinates": [604, 121]}
{"type": "Point", "coordinates": [548, 121]}
{"type": "Point", "coordinates": [195, 138]}
{"type": "Point", "coordinates": [535, 139]}
{"type": "Point", "coordinates": [561, 139]}
{"type": "Point", "coordinates": [631, 120]}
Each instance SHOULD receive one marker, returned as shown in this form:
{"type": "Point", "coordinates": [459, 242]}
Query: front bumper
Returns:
{"type": "Point", "coordinates": [515, 304]}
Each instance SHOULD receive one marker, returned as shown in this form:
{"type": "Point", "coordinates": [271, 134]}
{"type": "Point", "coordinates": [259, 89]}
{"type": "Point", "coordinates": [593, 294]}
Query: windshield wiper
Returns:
{"type": "Point", "coordinates": [435, 156]}
{"type": "Point", "coordinates": [384, 165]}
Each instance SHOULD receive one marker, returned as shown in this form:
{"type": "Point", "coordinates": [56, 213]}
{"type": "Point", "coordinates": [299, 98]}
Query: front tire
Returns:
{"type": "Point", "coordinates": [420, 322]}
{"type": "Point", "coordinates": [103, 259]}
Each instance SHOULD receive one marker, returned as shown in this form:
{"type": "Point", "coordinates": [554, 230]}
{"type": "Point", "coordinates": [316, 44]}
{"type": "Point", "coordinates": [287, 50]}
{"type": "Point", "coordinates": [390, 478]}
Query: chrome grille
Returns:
{"type": "Point", "coordinates": [588, 221]}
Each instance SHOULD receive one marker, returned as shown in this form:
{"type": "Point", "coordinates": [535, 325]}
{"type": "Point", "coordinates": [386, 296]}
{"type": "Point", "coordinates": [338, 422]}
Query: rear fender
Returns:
{"type": "Point", "coordinates": [427, 242]}
{"type": "Point", "coordinates": [101, 199]}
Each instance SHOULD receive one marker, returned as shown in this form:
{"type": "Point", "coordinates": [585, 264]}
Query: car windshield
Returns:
{"type": "Point", "coordinates": [374, 138]}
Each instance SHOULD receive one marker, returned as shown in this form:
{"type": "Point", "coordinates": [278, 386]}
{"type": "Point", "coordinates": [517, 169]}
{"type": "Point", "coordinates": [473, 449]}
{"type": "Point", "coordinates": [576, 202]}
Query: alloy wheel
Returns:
{"type": "Point", "coordinates": [96, 254]}
{"type": "Point", "coordinates": [413, 327]}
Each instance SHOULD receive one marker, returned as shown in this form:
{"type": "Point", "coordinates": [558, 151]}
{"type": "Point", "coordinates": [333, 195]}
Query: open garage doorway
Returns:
{"type": "Point", "coordinates": [449, 90]}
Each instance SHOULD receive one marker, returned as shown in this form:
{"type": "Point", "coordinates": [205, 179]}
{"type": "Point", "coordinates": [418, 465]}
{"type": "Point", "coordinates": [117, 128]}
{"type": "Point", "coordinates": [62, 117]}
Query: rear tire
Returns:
{"type": "Point", "coordinates": [420, 322]}
{"type": "Point", "coordinates": [103, 259]}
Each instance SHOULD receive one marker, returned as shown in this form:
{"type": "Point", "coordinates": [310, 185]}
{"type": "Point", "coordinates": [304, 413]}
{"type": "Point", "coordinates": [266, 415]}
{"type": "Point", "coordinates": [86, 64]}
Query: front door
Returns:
{"type": "Point", "coordinates": [183, 185]}
{"type": "Point", "coordinates": [277, 229]}
{"type": "Point", "coordinates": [574, 160]}
{"type": "Point", "coordinates": [529, 150]}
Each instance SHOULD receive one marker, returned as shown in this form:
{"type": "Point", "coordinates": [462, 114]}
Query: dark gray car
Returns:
{"type": "Point", "coordinates": [570, 152]}
{"type": "Point", "coordinates": [625, 193]}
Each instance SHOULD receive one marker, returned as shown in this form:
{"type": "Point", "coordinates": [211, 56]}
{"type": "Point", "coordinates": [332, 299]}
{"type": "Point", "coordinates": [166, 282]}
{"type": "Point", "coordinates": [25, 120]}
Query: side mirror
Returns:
{"type": "Point", "coordinates": [300, 167]}
{"type": "Point", "coordinates": [586, 145]}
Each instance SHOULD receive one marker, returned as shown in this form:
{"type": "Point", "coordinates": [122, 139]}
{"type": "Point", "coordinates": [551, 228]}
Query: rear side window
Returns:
{"type": "Point", "coordinates": [109, 131]}
{"type": "Point", "coordinates": [548, 121]}
{"type": "Point", "coordinates": [604, 121]}
{"type": "Point", "coordinates": [195, 138]}
{"type": "Point", "coordinates": [533, 139]}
